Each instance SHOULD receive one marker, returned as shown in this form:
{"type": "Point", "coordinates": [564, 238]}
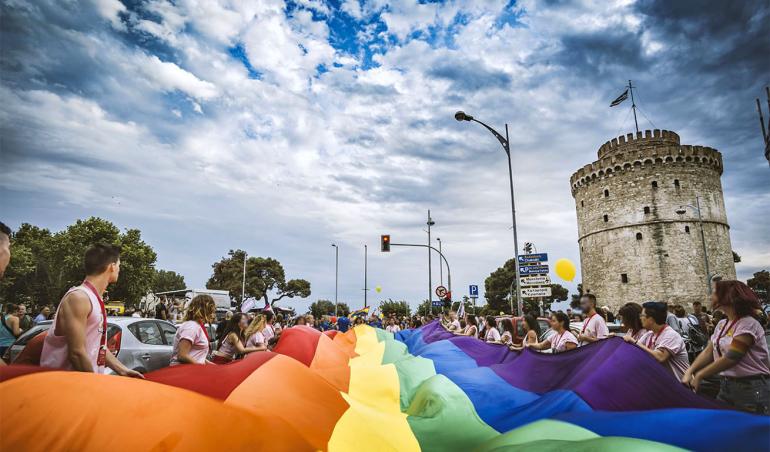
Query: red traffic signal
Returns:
{"type": "Point", "coordinates": [385, 243]}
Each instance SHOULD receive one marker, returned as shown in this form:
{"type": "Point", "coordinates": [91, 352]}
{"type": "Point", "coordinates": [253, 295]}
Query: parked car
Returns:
{"type": "Point", "coordinates": [518, 327]}
{"type": "Point", "coordinates": [140, 344]}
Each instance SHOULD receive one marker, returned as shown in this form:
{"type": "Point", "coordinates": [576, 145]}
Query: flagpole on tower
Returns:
{"type": "Point", "coordinates": [633, 105]}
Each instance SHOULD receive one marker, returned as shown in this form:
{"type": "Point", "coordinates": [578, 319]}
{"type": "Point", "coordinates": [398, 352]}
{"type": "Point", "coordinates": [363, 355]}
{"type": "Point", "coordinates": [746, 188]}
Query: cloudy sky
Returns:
{"type": "Point", "coordinates": [281, 127]}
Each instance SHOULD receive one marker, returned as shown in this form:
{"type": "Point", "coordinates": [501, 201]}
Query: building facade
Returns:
{"type": "Point", "coordinates": [638, 228]}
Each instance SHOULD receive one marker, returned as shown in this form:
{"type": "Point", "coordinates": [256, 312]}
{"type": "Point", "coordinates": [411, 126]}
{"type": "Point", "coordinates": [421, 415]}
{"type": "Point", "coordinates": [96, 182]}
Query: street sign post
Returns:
{"type": "Point", "coordinates": [535, 292]}
{"type": "Point", "coordinates": [537, 280]}
{"type": "Point", "coordinates": [533, 270]}
{"type": "Point", "coordinates": [473, 290]}
{"type": "Point", "coordinates": [438, 303]}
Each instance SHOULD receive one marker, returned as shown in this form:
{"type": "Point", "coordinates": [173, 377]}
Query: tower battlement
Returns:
{"type": "Point", "coordinates": [642, 139]}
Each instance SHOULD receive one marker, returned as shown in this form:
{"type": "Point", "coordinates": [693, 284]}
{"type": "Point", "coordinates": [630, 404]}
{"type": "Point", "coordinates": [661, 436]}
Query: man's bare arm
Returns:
{"type": "Point", "coordinates": [72, 319]}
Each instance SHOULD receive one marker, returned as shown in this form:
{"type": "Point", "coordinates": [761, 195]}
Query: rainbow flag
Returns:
{"type": "Point", "coordinates": [368, 390]}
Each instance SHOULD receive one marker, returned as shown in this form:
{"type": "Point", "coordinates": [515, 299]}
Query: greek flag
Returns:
{"type": "Point", "coordinates": [620, 99]}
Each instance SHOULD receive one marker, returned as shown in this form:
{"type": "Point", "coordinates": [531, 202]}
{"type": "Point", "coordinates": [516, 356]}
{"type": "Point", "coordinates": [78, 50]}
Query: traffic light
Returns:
{"type": "Point", "coordinates": [385, 243]}
{"type": "Point", "coordinates": [528, 247]}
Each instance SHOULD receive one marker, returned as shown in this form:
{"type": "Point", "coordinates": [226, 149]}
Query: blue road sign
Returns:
{"type": "Point", "coordinates": [534, 270]}
{"type": "Point", "coordinates": [473, 290]}
{"type": "Point", "coordinates": [533, 258]}
{"type": "Point", "coordinates": [437, 303]}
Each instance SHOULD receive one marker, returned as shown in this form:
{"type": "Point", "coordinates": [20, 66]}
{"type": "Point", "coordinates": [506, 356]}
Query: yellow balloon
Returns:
{"type": "Point", "coordinates": [378, 289]}
{"type": "Point", "coordinates": [565, 269]}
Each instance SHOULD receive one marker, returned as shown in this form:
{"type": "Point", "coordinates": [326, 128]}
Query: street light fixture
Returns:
{"type": "Point", "coordinates": [681, 211]}
{"type": "Point", "coordinates": [336, 274]}
{"type": "Point", "coordinates": [504, 141]}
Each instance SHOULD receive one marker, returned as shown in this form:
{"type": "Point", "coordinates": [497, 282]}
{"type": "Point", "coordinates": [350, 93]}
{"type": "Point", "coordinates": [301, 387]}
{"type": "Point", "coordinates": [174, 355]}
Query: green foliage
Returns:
{"type": "Point", "coordinates": [265, 278]}
{"type": "Point", "coordinates": [165, 281]}
{"type": "Point", "coordinates": [326, 307]}
{"type": "Point", "coordinates": [736, 257]}
{"type": "Point", "coordinates": [399, 308]}
{"type": "Point", "coordinates": [497, 287]}
{"type": "Point", "coordinates": [575, 302]}
{"type": "Point", "coordinates": [760, 284]}
{"type": "Point", "coordinates": [468, 306]}
{"type": "Point", "coordinates": [44, 264]}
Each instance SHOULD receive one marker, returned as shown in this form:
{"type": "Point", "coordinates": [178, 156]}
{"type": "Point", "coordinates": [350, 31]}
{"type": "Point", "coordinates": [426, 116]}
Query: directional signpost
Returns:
{"type": "Point", "coordinates": [534, 280]}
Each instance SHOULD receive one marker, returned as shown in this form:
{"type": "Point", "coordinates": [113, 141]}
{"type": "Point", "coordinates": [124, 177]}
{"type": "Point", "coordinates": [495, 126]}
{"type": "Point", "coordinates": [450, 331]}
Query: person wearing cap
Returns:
{"type": "Point", "coordinates": [594, 326]}
{"type": "Point", "coordinates": [661, 341]}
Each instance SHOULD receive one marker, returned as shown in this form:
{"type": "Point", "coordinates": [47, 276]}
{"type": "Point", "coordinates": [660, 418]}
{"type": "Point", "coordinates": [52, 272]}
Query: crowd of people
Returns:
{"type": "Point", "coordinates": [737, 349]}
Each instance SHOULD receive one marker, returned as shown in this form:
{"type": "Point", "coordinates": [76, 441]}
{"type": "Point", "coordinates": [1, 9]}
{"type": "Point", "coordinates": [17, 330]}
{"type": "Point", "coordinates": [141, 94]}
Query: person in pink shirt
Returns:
{"type": "Point", "coordinates": [191, 342]}
{"type": "Point", "coordinates": [661, 341]}
{"type": "Point", "coordinates": [630, 318]}
{"type": "Point", "coordinates": [562, 339]}
{"type": "Point", "coordinates": [737, 351]}
{"type": "Point", "coordinates": [254, 337]}
{"type": "Point", "coordinates": [492, 334]}
{"type": "Point", "coordinates": [594, 326]}
{"type": "Point", "coordinates": [77, 339]}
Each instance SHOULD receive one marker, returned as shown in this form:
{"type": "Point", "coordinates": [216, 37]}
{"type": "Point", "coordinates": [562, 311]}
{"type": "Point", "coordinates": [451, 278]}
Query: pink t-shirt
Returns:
{"type": "Point", "coordinates": [755, 361]}
{"type": "Point", "coordinates": [268, 332]}
{"type": "Point", "coordinates": [493, 335]}
{"type": "Point", "coordinates": [559, 341]}
{"type": "Point", "coordinates": [193, 332]}
{"type": "Point", "coordinates": [255, 340]}
{"type": "Point", "coordinates": [454, 325]}
{"type": "Point", "coordinates": [670, 340]}
{"type": "Point", "coordinates": [594, 326]}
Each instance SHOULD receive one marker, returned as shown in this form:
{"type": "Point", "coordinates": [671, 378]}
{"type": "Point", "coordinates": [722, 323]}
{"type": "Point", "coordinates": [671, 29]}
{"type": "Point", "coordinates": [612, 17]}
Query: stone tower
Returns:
{"type": "Point", "coordinates": [634, 245]}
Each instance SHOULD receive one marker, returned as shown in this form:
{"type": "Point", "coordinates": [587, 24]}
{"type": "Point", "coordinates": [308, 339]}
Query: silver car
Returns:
{"type": "Point", "coordinates": [140, 344]}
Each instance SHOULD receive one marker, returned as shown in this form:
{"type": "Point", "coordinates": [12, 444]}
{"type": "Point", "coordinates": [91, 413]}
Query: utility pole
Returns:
{"type": "Point", "coordinates": [366, 273]}
{"type": "Point", "coordinates": [336, 275]}
{"type": "Point", "coordinates": [440, 263]}
{"type": "Point", "coordinates": [243, 284]}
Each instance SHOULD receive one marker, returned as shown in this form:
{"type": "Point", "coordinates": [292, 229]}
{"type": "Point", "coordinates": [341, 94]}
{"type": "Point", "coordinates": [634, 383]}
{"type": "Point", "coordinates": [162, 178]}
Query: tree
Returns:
{"type": "Point", "coordinates": [558, 293]}
{"type": "Point", "coordinates": [736, 257]}
{"type": "Point", "coordinates": [165, 281]}
{"type": "Point", "coordinates": [468, 305]}
{"type": "Point", "coordinates": [760, 284]}
{"type": "Point", "coordinates": [265, 278]}
{"type": "Point", "coordinates": [325, 307]}
{"type": "Point", "coordinates": [425, 308]}
{"type": "Point", "coordinates": [497, 287]}
{"type": "Point", "coordinates": [575, 303]}
{"type": "Point", "coordinates": [45, 265]}
{"type": "Point", "coordinates": [399, 308]}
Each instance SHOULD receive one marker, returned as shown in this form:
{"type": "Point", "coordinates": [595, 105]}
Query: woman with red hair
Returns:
{"type": "Point", "coordinates": [737, 351]}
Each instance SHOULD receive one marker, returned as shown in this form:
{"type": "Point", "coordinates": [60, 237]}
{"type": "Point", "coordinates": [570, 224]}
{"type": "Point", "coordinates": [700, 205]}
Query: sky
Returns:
{"type": "Point", "coordinates": [283, 127]}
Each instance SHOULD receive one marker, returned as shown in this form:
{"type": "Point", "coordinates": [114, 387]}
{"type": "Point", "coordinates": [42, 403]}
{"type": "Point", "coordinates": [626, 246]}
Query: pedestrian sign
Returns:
{"type": "Point", "coordinates": [438, 303]}
{"type": "Point", "coordinates": [534, 292]}
{"type": "Point", "coordinates": [533, 258]}
{"type": "Point", "coordinates": [538, 280]}
{"type": "Point", "coordinates": [473, 290]}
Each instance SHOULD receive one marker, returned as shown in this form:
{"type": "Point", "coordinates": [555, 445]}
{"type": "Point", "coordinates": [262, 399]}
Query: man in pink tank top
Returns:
{"type": "Point", "coordinates": [77, 339]}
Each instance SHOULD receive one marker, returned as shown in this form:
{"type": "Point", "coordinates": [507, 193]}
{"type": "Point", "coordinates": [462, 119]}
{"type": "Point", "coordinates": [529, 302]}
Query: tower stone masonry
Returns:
{"type": "Point", "coordinates": [634, 246]}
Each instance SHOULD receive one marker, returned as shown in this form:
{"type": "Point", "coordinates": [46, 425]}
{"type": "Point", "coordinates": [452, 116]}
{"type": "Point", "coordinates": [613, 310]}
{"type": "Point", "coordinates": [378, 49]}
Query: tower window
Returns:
{"type": "Point", "coordinates": [687, 229]}
{"type": "Point", "coordinates": [606, 218]}
{"type": "Point", "coordinates": [624, 278]}
{"type": "Point", "coordinates": [606, 193]}
{"type": "Point", "coordinates": [638, 236]}
{"type": "Point", "coordinates": [654, 184]}
{"type": "Point", "coordinates": [582, 204]}
{"type": "Point", "coordinates": [676, 183]}
{"type": "Point", "coordinates": [646, 210]}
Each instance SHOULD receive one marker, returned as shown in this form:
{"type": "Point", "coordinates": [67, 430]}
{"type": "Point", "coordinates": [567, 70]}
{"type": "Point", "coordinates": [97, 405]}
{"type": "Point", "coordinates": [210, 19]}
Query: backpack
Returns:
{"type": "Point", "coordinates": [696, 336]}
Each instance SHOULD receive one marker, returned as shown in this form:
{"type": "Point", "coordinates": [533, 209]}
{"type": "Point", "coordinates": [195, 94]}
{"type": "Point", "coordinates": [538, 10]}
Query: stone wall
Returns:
{"type": "Point", "coordinates": [638, 183]}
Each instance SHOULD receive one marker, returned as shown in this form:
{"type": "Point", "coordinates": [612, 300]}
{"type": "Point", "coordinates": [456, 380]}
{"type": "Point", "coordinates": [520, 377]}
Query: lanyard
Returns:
{"type": "Point", "coordinates": [588, 320]}
{"type": "Point", "coordinates": [654, 337]}
{"type": "Point", "coordinates": [203, 327]}
{"type": "Point", "coordinates": [724, 329]}
{"type": "Point", "coordinates": [102, 357]}
{"type": "Point", "coordinates": [558, 341]}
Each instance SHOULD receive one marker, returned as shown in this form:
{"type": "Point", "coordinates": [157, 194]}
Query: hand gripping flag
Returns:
{"type": "Point", "coordinates": [620, 99]}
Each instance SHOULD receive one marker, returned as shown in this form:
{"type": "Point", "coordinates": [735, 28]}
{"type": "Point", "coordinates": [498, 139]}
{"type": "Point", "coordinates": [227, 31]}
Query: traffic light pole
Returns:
{"type": "Point", "coordinates": [448, 272]}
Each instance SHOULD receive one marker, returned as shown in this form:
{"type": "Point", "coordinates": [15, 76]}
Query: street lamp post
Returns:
{"type": "Point", "coordinates": [243, 283]}
{"type": "Point", "coordinates": [366, 274]}
{"type": "Point", "coordinates": [504, 141]}
{"type": "Point", "coordinates": [681, 211]}
{"type": "Point", "coordinates": [430, 282]}
{"type": "Point", "coordinates": [336, 275]}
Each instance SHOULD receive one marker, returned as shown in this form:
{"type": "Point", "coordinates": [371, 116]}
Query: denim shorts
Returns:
{"type": "Point", "coordinates": [752, 395]}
